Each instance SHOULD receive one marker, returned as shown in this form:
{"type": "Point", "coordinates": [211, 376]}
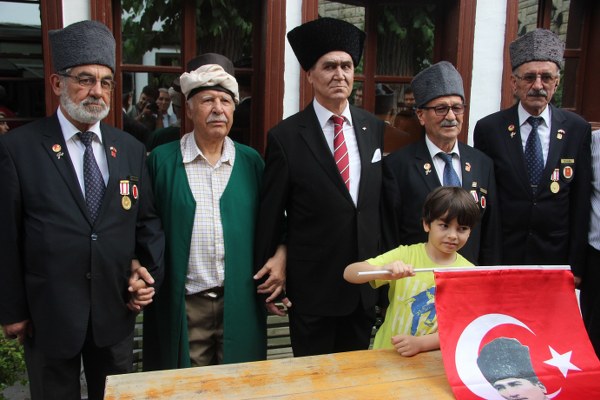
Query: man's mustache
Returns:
{"type": "Point", "coordinates": [537, 93]}
{"type": "Point", "coordinates": [216, 118]}
{"type": "Point", "coordinates": [446, 123]}
{"type": "Point", "coordinates": [93, 101]}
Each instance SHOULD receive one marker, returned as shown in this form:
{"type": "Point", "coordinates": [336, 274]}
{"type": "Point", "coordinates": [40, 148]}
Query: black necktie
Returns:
{"type": "Point", "coordinates": [92, 177]}
{"type": "Point", "coordinates": [450, 175]}
{"type": "Point", "coordinates": [533, 153]}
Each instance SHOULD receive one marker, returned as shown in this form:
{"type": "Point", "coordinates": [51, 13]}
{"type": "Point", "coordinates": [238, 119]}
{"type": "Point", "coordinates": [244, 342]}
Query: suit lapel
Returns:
{"type": "Point", "coordinates": [424, 166]}
{"type": "Point", "coordinates": [466, 165]}
{"type": "Point", "coordinates": [365, 133]}
{"type": "Point", "coordinates": [111, 149]}
{"type": "Point", "coordinates": [556, 143]}
{"type": "Point", "coordinates": [312, 134]}
{"type": "Point", "coordinates": [511, 136]}
{"type": "Point", "coordinates": [54, 144]}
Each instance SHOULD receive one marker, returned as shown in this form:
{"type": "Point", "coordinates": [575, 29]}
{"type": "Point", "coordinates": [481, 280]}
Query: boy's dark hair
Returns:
{"type": "Point", "coordinates": [449, 202]}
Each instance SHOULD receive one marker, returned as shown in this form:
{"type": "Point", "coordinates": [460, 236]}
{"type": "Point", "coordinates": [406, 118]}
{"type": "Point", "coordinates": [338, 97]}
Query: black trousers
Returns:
{"type": "Point", "coordinates": [56, 378]}
{"type": "Point", "coordinates": [589, 298]}
{"type": "Point", "coordinates": [313, 334]}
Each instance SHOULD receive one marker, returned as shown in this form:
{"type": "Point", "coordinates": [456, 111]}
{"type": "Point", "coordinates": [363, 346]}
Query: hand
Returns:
{"type": "Point", "coordinates": [273, 308]}
{"type": "Point", "coordinates": [140, 287]}
{"type": "Point", "coordinates": [577, 281]}
{"type": "Point", "coordinates": [18, 330]}
{"type": "Point", "coordinates": [399, 270]}
{"type": "Point", "coordinates": [275, 266]}
{"type": "Point", "coordinates": [406, 345]}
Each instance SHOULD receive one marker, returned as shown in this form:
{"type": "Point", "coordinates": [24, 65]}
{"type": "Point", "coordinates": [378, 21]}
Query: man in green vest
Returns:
{"type": "Point", "coordinates": [207, 193]}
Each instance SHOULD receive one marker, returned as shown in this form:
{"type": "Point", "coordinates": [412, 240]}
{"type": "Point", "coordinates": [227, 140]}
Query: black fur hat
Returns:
{"type": "Point", "coordinates": [315, 38]}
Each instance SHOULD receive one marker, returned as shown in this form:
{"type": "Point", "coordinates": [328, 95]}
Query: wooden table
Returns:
{"type": "Point", "coordinates": [369, 374]}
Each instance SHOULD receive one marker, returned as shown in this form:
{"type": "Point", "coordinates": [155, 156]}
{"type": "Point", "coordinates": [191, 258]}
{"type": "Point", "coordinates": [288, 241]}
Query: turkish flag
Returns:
{"type": "Point", "coordinates": [495, 323]}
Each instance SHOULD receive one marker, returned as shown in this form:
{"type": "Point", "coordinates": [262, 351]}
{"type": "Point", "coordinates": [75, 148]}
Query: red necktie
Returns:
{"type": "Point", "coordinates": [340, 151]}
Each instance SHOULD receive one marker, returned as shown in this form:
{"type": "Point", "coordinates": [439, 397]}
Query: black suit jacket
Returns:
{"type": "Point", "coordinates": [546, 228]}
{"type": "Point", "coordinates": [324, 230]}
{"type": "Point", "coordinates": [414, 182]}
{"type": "Point", "coordinates": [58, 269]}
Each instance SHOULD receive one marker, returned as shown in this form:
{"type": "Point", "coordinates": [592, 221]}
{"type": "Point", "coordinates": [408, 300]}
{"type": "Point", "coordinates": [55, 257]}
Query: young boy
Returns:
{"type": "Point", "coordinates": [410, 324]}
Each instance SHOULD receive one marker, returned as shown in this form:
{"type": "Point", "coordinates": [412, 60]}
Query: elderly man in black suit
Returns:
{"type": "Point", "coordinates": [76, 211]}
{"type": "Point", "coordinates": [323, 172]}
{"type": "Point", "coordinates": [541, 157]}
{"type": "Point", "coordinates": [440, 159]}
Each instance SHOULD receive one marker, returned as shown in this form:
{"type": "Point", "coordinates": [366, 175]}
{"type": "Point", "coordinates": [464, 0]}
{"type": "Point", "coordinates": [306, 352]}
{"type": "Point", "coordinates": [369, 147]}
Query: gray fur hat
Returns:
{"type": "Point", "coordinates": [82, 43]}
{"type": "Point", "coordinates": [537, 45]}
{"type": "Point", "coordinates": [504, 358]}
{"type": "Point", "coordinates": [441, 79]}
{"type": "Point", "coordinates": [315, 38]}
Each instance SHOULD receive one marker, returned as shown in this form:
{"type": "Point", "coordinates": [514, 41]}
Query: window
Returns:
{"type": "Point", "coordinates": [21, 62]}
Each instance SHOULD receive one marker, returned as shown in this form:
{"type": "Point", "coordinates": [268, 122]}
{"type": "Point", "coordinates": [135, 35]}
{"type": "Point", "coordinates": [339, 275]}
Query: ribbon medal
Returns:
{"type": "Point", "coordinates": [555, 186]}
{"type": "Point", "coordinates": [124, 191]}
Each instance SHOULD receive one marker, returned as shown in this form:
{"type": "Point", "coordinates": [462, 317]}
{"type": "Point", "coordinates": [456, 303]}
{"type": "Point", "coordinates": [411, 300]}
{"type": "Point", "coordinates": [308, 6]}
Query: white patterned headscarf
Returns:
{"type": "Point", "coordinates": [209, 77]}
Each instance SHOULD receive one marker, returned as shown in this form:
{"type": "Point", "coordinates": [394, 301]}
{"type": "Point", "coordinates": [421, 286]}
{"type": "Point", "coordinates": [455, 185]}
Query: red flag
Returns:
{"type": "Point", "coordinates": [484, 313]}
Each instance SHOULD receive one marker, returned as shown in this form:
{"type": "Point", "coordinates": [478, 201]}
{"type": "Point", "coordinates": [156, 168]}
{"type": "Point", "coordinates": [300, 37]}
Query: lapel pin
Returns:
{"type": "Point", "coordinates": [57, 149]}
{"type": "Point", "coordinates": [560, 133]}
{"type": "Point", "coordinates": [511, 129]}
{"type": "Point", "coordinates": [364, 128]}
{"type": "Point", "coordinates": [468, 167]}
{"type": "Point", "coordinates": [113, 152]}
{"type": "Point", "coordinates": [427, 168]}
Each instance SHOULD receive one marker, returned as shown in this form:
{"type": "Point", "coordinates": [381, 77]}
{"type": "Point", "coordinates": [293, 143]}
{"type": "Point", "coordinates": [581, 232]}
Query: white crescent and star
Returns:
{"type": "Point", "coordinates": [467, 349]}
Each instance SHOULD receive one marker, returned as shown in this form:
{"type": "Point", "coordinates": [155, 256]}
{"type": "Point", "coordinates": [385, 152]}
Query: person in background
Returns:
{"type": "Point", "coordinates": [409, 99]}
{"type": "Point", "coordinates": [146, 109]}
{"type": "Point", "coordinates": [358, 97]}
{"type": "Point", "coordinates": [410, 324]}
{"type": "Point", "coordinates": [165, 117]}
{"type": "Point", "coordinates": [542, 162]}
{"type": "Point", "coordinates": [149, 94]}
{"type": "Point", "coordinates": [207, 190]}
{"type": "Point", "coordinates": [439, 158]}
{"type": "Point", "coordinates": [406, 121]}
{"type": "Point", "coordinates": [589, 298]}
{"type": "Point", "coordinates": [321, 198]}
{"type": "Point", "coordinates": [130, 125]}
{"type": "Point", "coordinates": [173, 132]}
{"type": "Point", "coordinates": [77, 213]}
{"type": "Point", "coordinates": [3, 124]}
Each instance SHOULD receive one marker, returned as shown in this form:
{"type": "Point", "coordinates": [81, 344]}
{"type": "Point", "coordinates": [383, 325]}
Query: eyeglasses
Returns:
{"type": "Point", "coordinates": [89, 82]}
{"type": "Point", "coordinates": [546, 78]}
{"type": "Point", "coordinates": [457, 109]}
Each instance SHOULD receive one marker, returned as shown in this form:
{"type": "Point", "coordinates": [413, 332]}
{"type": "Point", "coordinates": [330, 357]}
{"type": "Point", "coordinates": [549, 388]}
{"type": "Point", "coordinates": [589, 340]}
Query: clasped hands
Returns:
{"type": "Point", "coordinates": [274, 285]}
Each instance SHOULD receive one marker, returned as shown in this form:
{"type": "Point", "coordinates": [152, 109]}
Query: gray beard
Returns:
{"type": "Point", "coordinates": [80, 113]}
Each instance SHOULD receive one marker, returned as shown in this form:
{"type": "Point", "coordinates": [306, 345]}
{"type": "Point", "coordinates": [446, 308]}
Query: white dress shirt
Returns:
{"type": "Point", "coordinates": [76, 148]}
{"type": "Point", "coordinates": [543, 129]}
{"type": "Point", "coordinates": [440, 164]}
{"type": "Point", "coordinates": [324, 117]}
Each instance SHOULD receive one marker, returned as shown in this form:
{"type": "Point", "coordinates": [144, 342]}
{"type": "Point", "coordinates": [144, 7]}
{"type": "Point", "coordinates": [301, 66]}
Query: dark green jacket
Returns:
{"type": "Point", "coordinates": [165, 322]}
